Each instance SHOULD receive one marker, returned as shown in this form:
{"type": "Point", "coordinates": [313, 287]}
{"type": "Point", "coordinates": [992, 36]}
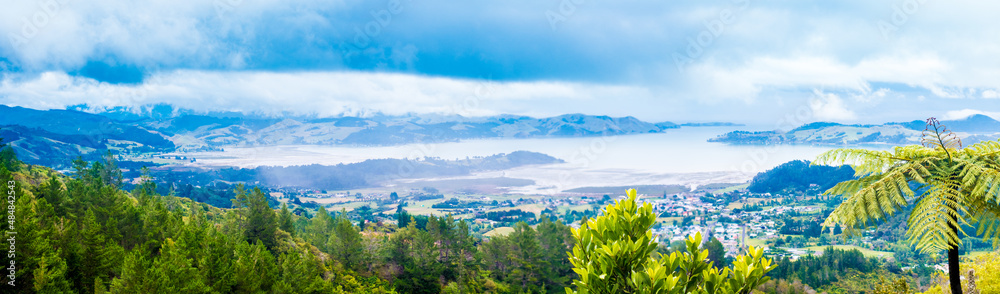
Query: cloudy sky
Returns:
{"type": "Point", "coordinates": [737, 60]}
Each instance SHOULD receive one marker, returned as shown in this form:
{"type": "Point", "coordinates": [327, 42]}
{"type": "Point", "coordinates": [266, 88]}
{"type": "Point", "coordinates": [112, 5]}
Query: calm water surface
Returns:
{"type": "Point", "coordinates": [684, 150]}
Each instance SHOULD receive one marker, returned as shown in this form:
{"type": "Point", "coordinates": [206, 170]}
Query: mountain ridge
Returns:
{"type": "Point", "coordinates": [56, 137]}
{"type": "Point", "coordinates": [971, 129]}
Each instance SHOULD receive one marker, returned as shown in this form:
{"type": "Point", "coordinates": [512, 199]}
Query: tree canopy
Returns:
{"type": "Point", "coordinates": [613, 254]}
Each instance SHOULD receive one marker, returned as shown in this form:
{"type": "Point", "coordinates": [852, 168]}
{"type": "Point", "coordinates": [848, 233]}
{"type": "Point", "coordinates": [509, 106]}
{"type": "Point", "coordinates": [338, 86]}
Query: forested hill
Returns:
{"type": "Point", "coordinates": [56, 137]}
{"type": "Point", "coordinates": [369, 173]}
{"type": "Point", "coordinates": [84, 234]}
{"type": "Point", "coordinates": [798, 177]}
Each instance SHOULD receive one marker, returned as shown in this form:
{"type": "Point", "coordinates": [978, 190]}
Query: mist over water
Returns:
{"type": "Point", "coordinates": [683, 150]}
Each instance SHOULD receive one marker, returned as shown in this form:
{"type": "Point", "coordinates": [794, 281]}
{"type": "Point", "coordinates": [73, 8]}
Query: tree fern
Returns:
{"type": "Point", "coordinates": [958, 186]}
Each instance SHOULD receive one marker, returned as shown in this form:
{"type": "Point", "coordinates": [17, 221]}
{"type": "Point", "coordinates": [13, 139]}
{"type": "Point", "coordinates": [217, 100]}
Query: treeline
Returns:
{"type": "Point", "coordinates": [825, 269]}
{"type": "Point", "coordinates": [799, 177]}
{"type": "Point", "coordinates": [455, 203]}
{"type": "Point", "coordinates": [512, 216]}
{"type": "Point", "coordinates": [530, 260]}
{"type": "Point", "coordinates": [363, 174]}
{"type": "Point", "coordinates": [85, 234]}
{"type": "Point", "coordinates": [809, 227]}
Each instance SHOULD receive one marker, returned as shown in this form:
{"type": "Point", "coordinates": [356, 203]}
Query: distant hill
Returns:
{"type": "Point", "coordinates": [798, 176]}
{"type": "Point", "coordinates": [56, 137]}
{"type": "Point", "coordinates": [972, 129]}
{"type": "Point", "coordinates": [369, 173]}
{"type": "Point", "coordinates": [201, 130]}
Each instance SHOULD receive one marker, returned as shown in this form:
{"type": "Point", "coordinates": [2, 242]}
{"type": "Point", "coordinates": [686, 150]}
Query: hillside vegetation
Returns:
{"type": "Point", "coordinates": [84, 234]}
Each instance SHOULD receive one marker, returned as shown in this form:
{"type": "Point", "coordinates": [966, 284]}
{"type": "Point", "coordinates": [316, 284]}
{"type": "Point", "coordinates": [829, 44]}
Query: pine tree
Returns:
{"type": "Point", "coordinates": [716, 252]}
{"type": "Point", "coordinates": [50, 276]}
{"type": "Point", "coordinates": [138, 275]}
{"type": "Point", "coordinates": [217, 263]}
{"type": "Point", "coordinates": [318, 230]}
{"type": "Point", "coordinates": [556, 239]}
{"type": "Point", "coordinates": [526, 256]}
{"type": "Point", "coordinates": [253, 269]}
{"type": "Point", "coordinates": [176, 268]}
{"type": "Point", "coordinates": [8, 158]}
{"type": "Point", "coordinates": [97, 257]}
{"type": "Point", "coordinates": [256, 217]}
{"type": "Point", "coordinates": [345, 243]}
{"type": "Point", "coordinates": [52, 191]}
{"type": "Point", "coordinates": [110, 174]}
{"type": "Point", "coordinates": [402, 217]}
{"type": "Point", "coordinates": [285, 222]}
{"type": "Point", "coordinates": [300, 273]}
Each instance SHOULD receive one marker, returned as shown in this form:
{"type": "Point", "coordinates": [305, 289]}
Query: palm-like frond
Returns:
{"type": "Point", "coordinates": [961, 186]}
{"type": "Point", "coordinates": [981, 178]}
{"type": "Point", "coordinates": [987, 215]}
{"type": "Point", "coordinates": [983, 149]}
{"type": "Point", "coordinates": [866, 162]}
{"type": "Point", "coordinates": [874, 197]}
{"type": "Point", "coordinates": [933, 222]}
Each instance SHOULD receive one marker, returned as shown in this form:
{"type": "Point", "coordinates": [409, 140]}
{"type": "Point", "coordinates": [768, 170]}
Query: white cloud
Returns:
{"type": "Point", "coordinates": [991, 94]}
{"type": "Point", "coordinates": [320, 93]}
{"type": "Point", "coordinates": [960, 114]}
{"type": "Point", "coordinates": [772, 51]}
{"type": "Point", "coordinates": [829, 106]}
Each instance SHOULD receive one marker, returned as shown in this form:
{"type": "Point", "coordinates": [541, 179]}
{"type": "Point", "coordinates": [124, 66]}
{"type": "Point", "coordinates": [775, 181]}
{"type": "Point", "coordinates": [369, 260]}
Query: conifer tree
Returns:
{"type": "Point", "coordinates": [217, 263]}
{"type": "Point", "coordinates": [256, 217]}
{"type": "Point", "coordinates": [555, 240]}
{"type": "Point", "coordinates": [96, 257]}
{"type": "Point", "coordinates": [138, 275]}
{"type": "Point", "coordinates": [318, 230]}
{"type": "Point", "coordinates": [285, 222]}
{"type": "Point", "coordinates": [345, 243]}
{"type": "Point", "coordinates": [50, 275]}
{"type": "Point", "coordinates": [300, 273]}
{"type": "Point", "coordinates": [178, 272]}
{"type": "Point", "coordinates": [526, 256]}
{"type": "Point", "coordinates": [253, 268]}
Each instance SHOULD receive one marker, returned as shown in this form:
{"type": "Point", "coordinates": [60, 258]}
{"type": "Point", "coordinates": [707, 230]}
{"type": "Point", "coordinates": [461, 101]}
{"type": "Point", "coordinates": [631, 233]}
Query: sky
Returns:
{"type": "Point", "coordinates": [771, 63]}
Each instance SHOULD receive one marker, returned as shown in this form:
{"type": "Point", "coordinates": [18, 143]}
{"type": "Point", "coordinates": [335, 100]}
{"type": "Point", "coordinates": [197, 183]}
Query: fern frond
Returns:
{"type": "Point", "coordinates": [986, 215]}
{"type": "Point", "coordinates": [873, 198]}
{"type": "Point", "coordinates": [937, 136]}
{"type": "Point", "coordinates": [863, 161]}
{"type": "Point", "coordinates": [984, 149]}
{"type": "Point", "coordinates": [981, 179]}
{"type": "Point", "coordinates": [931, 222]}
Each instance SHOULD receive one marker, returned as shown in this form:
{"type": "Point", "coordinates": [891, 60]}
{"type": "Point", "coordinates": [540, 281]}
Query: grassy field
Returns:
{"type": "Point", "coordinates": [730, 189]}
{"type": "Point", "coordinates": [499, 231]}
{"type": "Point", "coordinates": [669, 220]}
{"type": "Point", "coordinates": [533, 208]}
{"type": "Point", "coordinates": [750, 201]}
{"type": "Point", "coordinates": [350, 206]}
{"type": "Point", "coordinates": [866, 252]}
{"type": "Point", "coordinates": [642, 189]}
{"type": "Point", "coordinates": [580, 208]}
{"type": "Point", "coordinates": [756, 242]}
{"type": "Point", "coordinates": [976, 253]}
